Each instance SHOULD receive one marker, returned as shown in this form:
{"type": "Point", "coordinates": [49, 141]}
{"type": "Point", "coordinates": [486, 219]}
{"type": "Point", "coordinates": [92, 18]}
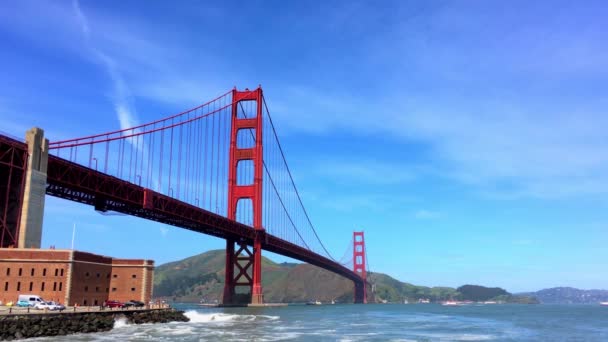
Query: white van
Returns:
{"type": "Point", "coordinates": [32, 299]}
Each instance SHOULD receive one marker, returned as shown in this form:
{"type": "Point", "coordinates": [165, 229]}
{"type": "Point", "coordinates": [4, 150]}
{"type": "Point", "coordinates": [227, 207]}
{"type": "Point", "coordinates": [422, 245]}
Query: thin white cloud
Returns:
{"type": "Point", "coordinates": [164, 231]}
{"type": "Point", "coordinates": [124, 116]}
{"type": "Point", "coordinates": [82, 21]}
{"type": "Point", "coordinates": [121, 97]}
{"type": "Point", "coordinates": [367, 171]}
{"type": "Point", "coordinates": [509, 146]}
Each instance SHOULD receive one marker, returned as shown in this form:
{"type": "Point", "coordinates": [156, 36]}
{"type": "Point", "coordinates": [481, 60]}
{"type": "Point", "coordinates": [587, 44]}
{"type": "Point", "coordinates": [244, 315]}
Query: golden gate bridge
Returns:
{"type": "Point", "coordinates": [217, 169]}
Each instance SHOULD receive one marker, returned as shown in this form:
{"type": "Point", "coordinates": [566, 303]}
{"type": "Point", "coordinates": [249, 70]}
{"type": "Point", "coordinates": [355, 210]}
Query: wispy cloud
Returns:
{"type": "Point", "coordinates": [121, 96]}
{"type": "Point", "coordinates": [164, 231]}
{"type": "Point", "coordinates": [367, 171]}
{"type": "Point", "coordinates": [514, 113]}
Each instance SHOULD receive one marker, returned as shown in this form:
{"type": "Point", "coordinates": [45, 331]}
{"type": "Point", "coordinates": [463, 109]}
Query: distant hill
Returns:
{"type": "Point", "coordinates": [479, 293]}
{"type": "Point", "coordinates": [392, 290]}
{"type": "Point", "coordinates": [202, 277]}
{"type": "Point", "coordinates": [569, 295]}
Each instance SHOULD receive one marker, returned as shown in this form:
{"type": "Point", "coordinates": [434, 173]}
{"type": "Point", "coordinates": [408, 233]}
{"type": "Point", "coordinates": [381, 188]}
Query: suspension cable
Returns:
{"type": "Point", "coordinates": [273, 185]}
{"type": "Point", "coordinates": [293, 183]}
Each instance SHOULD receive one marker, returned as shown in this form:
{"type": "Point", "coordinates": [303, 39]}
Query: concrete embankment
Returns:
{"type": "Point", "coordinates": [17, 326]}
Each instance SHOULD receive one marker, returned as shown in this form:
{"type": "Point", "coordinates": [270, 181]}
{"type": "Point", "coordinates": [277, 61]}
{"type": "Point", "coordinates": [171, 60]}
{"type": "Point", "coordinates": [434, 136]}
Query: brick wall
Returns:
{"type": "Point", "coordinates": [130, 280]}
{"type": "Point", "coordinates": [88, 279]}
{"type": "Point", "coordinates": [24, 271]}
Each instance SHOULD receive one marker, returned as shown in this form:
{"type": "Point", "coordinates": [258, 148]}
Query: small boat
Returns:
{"type": "Point", "coordinates": [313, 302]}
{"type": "Point", "coordinates": [604, 303]}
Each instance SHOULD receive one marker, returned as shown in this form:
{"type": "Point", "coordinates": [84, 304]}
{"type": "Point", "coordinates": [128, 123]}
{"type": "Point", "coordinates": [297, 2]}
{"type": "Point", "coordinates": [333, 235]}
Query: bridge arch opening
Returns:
{"type": "Point", "coordinates": [244, 172]}
{"type": "Point", "coordinates": [245, 138]}
{"type": "Point", "coordinates": [244, 211]}
{"type": "Point", "coordinates": [246, 109]}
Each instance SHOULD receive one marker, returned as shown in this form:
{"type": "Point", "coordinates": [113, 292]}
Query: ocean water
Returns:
{"type": "Point", "coordinates": [372, 322]}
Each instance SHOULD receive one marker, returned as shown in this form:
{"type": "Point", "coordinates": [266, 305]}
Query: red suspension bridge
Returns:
{"type": "Point", "coordinates": [216, 169]}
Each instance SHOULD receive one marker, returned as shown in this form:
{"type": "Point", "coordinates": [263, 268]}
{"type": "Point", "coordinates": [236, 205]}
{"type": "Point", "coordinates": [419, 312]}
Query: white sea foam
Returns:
{"type": "Point", "coordinates": [458, 337]}
{"type": "Point", "coordinates": [473, 337]}
{"type": "Point", "coordinates": [120, 322]}
{"type": "Point", "coordinates": [197, 317]}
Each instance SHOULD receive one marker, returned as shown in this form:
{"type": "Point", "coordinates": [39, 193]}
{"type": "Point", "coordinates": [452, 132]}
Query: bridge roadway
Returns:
{"type": "Point", "coordinates": [78, 183]}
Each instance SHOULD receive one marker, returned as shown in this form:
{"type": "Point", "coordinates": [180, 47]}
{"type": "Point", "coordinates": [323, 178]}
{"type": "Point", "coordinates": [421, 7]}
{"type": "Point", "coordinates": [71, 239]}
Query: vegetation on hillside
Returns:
{"type": "Point", "coordinates": [201, 277]}
{"type": "Point", "coordinates": [480, 293]}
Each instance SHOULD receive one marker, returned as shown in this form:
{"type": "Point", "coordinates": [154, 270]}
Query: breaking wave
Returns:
{"type": "Point", "coordinates": [120, 322]}
{"type": "Point", "coordinates": [197, 317]}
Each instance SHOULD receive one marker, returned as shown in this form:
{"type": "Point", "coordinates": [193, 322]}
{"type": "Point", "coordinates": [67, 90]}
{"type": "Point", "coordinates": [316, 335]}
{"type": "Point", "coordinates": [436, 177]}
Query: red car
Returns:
{"type": "Point", "coordinates": [113, 304]}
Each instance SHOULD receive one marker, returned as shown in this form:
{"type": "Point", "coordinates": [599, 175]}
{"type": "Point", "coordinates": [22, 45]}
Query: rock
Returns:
{"type": "Point", "coordinates": [36, 325]}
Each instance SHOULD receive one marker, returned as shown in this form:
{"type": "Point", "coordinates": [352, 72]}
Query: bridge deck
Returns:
{"type": "Point", "coordinates": [78, 183]}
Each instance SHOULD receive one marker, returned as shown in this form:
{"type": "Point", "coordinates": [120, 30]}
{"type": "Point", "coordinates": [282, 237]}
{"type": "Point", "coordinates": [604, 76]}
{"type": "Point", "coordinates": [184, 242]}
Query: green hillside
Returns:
{"type": "Point", "coordinates": [392, 290]}
{"type": "Point", "coordinates": [202, 277]}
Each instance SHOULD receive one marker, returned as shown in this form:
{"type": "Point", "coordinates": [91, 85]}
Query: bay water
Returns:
{"type": "Point", "coordinates": [372, 322]}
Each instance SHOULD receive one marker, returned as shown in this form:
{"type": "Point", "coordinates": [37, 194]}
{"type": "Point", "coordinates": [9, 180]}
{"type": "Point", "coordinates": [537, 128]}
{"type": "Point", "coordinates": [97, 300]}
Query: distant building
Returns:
{"type": "Point", "coordinates": [73, 277]}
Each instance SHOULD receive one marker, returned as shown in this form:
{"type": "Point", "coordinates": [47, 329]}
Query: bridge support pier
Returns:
{"type": "Point", "coordinates": [229, 283]}
{"type": "Point", "coordinates": [257, 297]}
{"type": "Point", "coordinates": [32, 211]}
{"type": "Point", "coordinates": [243, 269]}
{"type": "Point", "coordinates": [360, 293]}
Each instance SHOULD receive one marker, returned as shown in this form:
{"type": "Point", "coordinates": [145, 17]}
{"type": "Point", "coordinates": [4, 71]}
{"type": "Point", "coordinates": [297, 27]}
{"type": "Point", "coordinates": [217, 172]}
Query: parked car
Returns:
{"type": "Point", "coordinates": [134, 303]}
{"type": "Point", "coordinates": [58, 306]}
{"type": "Point", "coordinates": [23, 303]}
{"type": "Point", "coordinates": [113, 304]}
{"type": "Point", "coordinates": [45, 305]}
{"type": "Point", "coordinates": [31, 298]}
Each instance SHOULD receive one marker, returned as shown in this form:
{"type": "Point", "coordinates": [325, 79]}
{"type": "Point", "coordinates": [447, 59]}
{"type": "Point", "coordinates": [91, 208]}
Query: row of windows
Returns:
{"type": "Point", "coordinates": [55, 288]}
{"type": "Point", "coordinates": [87, 275]}
{"type": "Point", "coordinates": [86, 289]}
{"type": "Point", "coordinates": [59, 272]}
{"type": "Point", "coordinates": [42, 285]}
{"type": "Point", "coordinates": [33, 271]}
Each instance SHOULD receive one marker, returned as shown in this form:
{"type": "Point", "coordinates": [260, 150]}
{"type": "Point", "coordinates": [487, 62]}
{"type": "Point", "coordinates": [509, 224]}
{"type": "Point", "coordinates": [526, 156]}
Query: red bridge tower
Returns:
{"type": "Point", "coordinates": [244, 258]}
{"type": "Point", "coordinates": [359, 267]}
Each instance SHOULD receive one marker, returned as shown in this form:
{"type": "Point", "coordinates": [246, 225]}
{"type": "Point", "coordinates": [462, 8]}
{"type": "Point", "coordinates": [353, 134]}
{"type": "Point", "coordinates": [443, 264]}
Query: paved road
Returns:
{"type": "Point", "coordinates": [15, 310]}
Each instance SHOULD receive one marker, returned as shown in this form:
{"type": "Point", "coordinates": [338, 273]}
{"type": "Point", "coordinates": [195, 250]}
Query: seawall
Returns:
{"type": "Point", "coordinates": [18, 326]}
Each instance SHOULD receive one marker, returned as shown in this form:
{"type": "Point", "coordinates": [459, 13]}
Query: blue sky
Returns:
{"type": "Point", "coordinates": [468, 139]}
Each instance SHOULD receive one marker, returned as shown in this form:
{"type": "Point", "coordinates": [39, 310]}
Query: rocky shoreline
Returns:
{"type": "Point", "coordinates": [18, 326]}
